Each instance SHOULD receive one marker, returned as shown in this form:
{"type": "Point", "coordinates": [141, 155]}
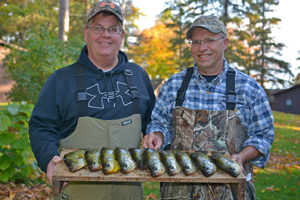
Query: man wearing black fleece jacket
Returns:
{"type": "Point", "coordinates": [100, 100]}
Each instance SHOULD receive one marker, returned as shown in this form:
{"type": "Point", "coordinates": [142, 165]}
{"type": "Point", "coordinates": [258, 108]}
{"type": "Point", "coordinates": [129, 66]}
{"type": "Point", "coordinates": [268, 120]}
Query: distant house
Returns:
{"type": "Point", "coordinates": [288, 100]}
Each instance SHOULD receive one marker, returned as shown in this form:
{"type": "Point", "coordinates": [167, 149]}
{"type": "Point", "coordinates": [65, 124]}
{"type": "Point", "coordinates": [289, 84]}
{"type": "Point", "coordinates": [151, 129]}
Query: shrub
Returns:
{"type": "Point", "coordinates": [43, 54]}
{"type": "Point", "coordinates": [16, 158]}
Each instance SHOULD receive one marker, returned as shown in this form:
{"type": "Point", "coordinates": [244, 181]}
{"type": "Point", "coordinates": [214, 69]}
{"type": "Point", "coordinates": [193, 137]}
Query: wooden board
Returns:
{"type": "Point", "coordinates": [62, 174]}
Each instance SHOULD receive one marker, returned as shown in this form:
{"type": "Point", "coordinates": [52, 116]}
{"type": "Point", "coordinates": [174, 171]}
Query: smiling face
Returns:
{"type": "Point", "coordinates": [209, 58]}
{"type": "Point", "coordinates": [103, 46]}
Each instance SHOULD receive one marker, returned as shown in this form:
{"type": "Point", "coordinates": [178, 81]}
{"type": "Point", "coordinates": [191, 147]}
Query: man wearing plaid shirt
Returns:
{"type": "Point", "coordinates": [227, 110]}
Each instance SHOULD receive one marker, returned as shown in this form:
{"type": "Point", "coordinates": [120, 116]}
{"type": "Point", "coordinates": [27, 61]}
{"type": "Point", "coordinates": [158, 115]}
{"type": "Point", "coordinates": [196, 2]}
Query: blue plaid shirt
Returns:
{"type": "Point", "coordinates": [252, 107]}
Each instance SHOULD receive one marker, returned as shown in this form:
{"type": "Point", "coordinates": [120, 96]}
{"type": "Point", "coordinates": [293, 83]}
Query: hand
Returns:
{"type": "Point", "coordinates": [238, 158]}
{"type": "Point", "coordinates": [50, 169]}
{"type": "Point", "coordinates": [154, 140]}
{"type": "Point", "coordinates": [247, 154]}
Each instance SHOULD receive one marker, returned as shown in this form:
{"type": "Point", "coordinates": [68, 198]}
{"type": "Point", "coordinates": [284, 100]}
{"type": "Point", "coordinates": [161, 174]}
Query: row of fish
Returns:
{"type": "Point", "coordinates": [157, 161]}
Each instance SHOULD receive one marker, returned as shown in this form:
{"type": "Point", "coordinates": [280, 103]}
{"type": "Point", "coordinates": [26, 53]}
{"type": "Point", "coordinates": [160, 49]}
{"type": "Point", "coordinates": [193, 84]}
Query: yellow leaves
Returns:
{"type": "Point", "coordinates": [283, 186]}
{"type": "Point", "coordinates": [262, 191]}
{"type": "Point", "coordinates": [292, 189]}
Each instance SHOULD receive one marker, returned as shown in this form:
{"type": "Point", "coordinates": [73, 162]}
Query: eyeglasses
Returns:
{"type": "Point", "coordinates": [111, 30]}
{"type": "Point", "coordinates": [206, 41]}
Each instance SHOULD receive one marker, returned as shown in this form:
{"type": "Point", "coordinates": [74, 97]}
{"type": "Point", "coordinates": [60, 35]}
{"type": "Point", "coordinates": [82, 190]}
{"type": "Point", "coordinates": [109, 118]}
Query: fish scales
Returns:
{"type": "Point", "coordinates": [75, 160]}
{"type": "Point", "coordinates": [109, 163]}
{"type": "Point", "coordinates": [92, 157]}
{"type": "Point", "coordinates": [169, 159]}
{"type": "Point", "coordinates": [125, 160]}
{"type": "Point", "coordinates": [154, 163]}
{"type": "Point", "coordinates": [138, 156]}
{"type": "Point", "coordinates": [186, 163]}
{"type": "Point", "coordinates": [226, 164]}
{"type": "Point", "coordinates": [204, 163]}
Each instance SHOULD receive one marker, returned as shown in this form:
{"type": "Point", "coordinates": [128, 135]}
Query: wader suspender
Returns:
{"type": "Point", "coordinates": [230, 88]}
{"type": "Point", "coordinates": [81, 91]}
{"type": "Point", "coordinates": [133, 91]}
{"type": "Point", "coordinates": [182, 90]}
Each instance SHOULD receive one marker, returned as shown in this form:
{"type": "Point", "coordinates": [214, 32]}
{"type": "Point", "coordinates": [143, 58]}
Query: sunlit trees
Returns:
{"type": "Point", "coordinates": [154, 52]}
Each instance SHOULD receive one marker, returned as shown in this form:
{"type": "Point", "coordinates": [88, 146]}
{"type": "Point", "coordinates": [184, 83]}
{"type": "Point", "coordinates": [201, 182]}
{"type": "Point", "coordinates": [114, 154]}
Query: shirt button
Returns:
{"type": "Point", "coordinates": [198, 81]}
{"type": "Point", "coordinates": [235, 110]}
{"type": "Point", "coordinates": [207, 92]}
{"type": "Point", "coordinates": [218, 83]}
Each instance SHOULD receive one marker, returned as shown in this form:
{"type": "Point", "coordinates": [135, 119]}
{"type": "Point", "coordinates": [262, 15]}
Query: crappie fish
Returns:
{"type": "Point", "coordinates": [108, 159]}
{"type": "Point", "coordinates": [75, 160]}
{"type": "Point", "coordinates": [138, 156]}
{"type": "Point", "coordinates": [228, 165]}
{"type": "Point", "coordinates": [185, 161]}
{"type": "Point", "coordinates": [92, 157]}
{"type": "Point", "coordinates": [153, 161]}
{"type": "Point", "coordinates": [169, 159]}
{"type": "Point", "coordinates": [125, 160]}
{"type": "Point", "coordinates": [204, 163]}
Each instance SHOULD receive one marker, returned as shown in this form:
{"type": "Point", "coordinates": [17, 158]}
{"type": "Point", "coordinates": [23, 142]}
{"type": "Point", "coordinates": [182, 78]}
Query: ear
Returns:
{"type": "Point", "coordinates": [225, 43]}
{"type": "Point", "coordinates": [85, 33]}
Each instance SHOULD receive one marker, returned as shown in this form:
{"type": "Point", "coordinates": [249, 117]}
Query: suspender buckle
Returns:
{"type": "Point", "coordinates": [80, 73]}
{"type": "Point", "coordinates": [127, 72]}
{"type": "Point", "coordinates": [230, 96]}
{"type": "Point", "coordinates": [134, 92]}
{"type": "Point", "coordinates": [81, 96]}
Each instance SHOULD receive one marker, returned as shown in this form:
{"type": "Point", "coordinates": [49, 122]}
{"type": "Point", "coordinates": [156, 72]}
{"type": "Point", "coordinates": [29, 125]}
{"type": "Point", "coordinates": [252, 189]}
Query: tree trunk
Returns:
{"type": "Point", "coordinates": [63, 25]}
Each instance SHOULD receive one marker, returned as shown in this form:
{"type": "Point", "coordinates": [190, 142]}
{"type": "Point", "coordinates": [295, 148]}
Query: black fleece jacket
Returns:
{"type": "Point", "coordinates": [55, 114]}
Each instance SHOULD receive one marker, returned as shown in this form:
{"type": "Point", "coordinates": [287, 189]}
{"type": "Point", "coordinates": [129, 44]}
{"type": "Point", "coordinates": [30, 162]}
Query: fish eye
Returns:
{"type": "Point", "coordinates": [93, 163]}
{"type": "Point", "coordinates": [187, 167]}
{"type": "Point", "coordinates": [72, 163]}
{"type": "Point", "coordinates": [172, 167]}
{"type": "Point", "coordinates": [155, 168]}
{"type": "Point", "coordinates": [107, 164]}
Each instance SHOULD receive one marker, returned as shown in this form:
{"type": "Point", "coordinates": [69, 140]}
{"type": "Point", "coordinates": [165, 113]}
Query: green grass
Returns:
{"type": "Point", "coordinates": [286, 119]}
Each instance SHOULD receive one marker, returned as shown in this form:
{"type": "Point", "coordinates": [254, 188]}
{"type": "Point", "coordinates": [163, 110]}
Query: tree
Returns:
{"type": "Point", "coordinates": [21, 15]}
{"type": "Point", "coordinates": [63, 20]}
{"type": "Point", "coordinates": [265, 66]}
{"type": "Point", "coordinates": [154, 52]}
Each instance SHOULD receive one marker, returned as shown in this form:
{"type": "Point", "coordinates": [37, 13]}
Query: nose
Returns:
{"type": "Point", "coordinates": [202, 46]}
{"type": "Point", "coordinates": [105, 33]}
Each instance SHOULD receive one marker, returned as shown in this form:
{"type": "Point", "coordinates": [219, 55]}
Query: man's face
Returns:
{"type": "Point", "coordinates": [103, 45]}
{"type": "Point", "coordinates": [208, 57]}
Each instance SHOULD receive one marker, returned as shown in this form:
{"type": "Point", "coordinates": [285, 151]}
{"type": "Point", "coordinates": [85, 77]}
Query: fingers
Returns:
{"type": "Point", "coordinates": [153, 141]}
{"type": "Point", "coordinates": [238, 159]}
{"type": "Point", "coordinates": [51, 167]}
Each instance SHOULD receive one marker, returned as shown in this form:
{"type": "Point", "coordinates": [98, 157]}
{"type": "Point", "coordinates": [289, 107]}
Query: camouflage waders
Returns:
{"type": "Point", "coordinates": [202, 130]}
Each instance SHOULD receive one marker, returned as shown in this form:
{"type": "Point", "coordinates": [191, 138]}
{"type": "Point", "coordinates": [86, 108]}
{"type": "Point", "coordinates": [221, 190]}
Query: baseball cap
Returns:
{"type": "Point", "coordinates": [105, 6]}
{"type": "Point", "coordinates": [209, 22]}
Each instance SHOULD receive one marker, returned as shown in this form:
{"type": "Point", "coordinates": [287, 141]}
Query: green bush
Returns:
{"type": "Point", "coordinates": [43, 53]}
{"type": "Point", "coordinates": [16, 158]}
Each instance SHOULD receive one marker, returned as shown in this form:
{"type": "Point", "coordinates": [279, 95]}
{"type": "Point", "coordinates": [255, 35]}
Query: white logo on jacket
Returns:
{"type": "Point", "coordinates": [97, 97]}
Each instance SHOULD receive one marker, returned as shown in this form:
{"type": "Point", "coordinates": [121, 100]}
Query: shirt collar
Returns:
{"type": "Point", "coordinates": [218, 79]}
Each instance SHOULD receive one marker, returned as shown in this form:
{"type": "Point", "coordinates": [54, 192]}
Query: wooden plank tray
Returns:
{"type": "Point", "coordinates": [61, 174]}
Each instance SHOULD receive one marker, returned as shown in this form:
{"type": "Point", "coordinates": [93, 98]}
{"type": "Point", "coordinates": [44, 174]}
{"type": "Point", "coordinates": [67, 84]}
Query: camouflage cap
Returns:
{"type": "Point", "coordinates": [209, 22]}
{"type": "Point", "coordinates": [105, 6]}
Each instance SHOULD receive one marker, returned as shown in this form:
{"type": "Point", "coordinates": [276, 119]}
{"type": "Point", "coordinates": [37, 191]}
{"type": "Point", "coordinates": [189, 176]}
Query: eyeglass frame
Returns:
{"type": "Point", "coordinates": [200, 41]}
{"type": "Point", "coordinates": [92, 27]}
